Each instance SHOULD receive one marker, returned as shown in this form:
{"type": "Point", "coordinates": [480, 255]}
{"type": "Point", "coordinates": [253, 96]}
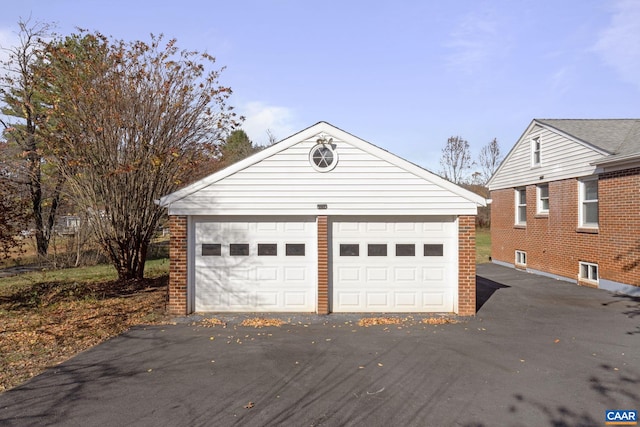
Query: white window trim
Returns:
{"type": "Point", "coordinates": [581, 201]}
{"type": "Point", "coordinates": [536, 147]}
{"type": "Point", "coordinates": [539, 208]}
{"type": "Point", "coordinates": [590, 270]}
{"type": "Point", "coordinates": [517, 218]}
{"type": "Point", "coordinates": [520, 257]}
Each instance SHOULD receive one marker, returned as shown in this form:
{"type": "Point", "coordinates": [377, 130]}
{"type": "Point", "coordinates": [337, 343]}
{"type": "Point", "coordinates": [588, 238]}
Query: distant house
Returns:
{"type": "Point", "coordinates": [67, 224]}
{"type": "Point", "coordinates": [566, 203]}
{"type": "Point", "coordinates": [322, 221]}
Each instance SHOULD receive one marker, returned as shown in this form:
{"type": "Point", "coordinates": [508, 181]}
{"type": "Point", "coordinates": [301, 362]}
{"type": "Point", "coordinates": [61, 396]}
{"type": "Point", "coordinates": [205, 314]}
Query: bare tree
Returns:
{"type": "Point", "coordinates": [456, 159]}
{"type": "Point", "coordinates": [131, 120]}
{"type": "Point", "coordinates": [490, 158]}
{"type": "Point", "coordinates": [271, 137]}
{"type": "Point", "coordinates": [22, 109]}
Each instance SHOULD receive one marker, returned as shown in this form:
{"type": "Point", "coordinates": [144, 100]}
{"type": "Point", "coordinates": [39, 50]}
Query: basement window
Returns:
{"type": "Point", "coordinates": [521, 258]}
{"type": "Point", "coordinates": [588, 272]}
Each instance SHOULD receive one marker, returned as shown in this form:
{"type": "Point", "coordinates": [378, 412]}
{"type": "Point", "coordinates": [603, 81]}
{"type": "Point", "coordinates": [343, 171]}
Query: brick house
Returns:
{"type": "Point", "coordinates": [322, 222]}
{"type": "Point", "coordinates": [565, 203]}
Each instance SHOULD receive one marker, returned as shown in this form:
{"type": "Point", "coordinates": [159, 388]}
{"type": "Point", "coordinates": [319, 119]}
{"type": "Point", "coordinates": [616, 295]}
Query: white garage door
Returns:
{"type": "Point", "coordinates": [255, 266]}
{"type": "Point", "coordinates": [381, 266]}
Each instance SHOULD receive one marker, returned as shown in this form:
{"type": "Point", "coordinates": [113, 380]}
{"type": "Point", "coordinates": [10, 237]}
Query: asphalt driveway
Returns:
{"type": "Point", "coordinates": [540, 352]}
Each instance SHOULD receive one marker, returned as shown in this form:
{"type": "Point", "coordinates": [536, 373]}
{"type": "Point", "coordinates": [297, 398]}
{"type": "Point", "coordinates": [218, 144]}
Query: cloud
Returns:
{"type": "Point", "coordinates": [618, 43]}
{"type": "Point", "coordinates": [261, 118]}
{"type": "Point", "coordinates": [473, 42]}
{"type": "Point", "coordinates": [8, 39]}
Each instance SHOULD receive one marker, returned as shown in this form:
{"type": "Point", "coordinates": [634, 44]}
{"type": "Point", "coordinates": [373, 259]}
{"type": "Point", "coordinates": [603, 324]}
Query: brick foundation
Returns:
{"type": "Point", "coordinates": [467, 265]}
{"type": "Point", "coordinates": [178, 266]}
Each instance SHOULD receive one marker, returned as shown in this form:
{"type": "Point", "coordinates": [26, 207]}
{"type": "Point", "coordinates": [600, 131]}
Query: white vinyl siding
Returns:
{"type": "Point", "coordinates": [287, 184]}
{"type": "Point", "coordinates": [563, 159]}
{"type": "Point", "coordinates": [588, 193]}
{"type": "Point", "coordinates": [521, 206]}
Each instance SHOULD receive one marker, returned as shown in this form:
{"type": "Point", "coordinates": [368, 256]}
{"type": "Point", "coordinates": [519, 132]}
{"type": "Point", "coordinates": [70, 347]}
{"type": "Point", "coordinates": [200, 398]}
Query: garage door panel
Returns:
{"type": "Point", "coordinates": [378, 299]}
{"type": "Point", "coordinates": [375, 274]}
{"type": "Point", "coordinates": [262, 278]}
{"type": "Point", "coordinates": [405, 300]}
{"type": "Point", "coordinates": [267, 299]}
{"type": "Point", "coordinates": [406, 277]}
{"type": "Point", "coordinates": [433, 299]}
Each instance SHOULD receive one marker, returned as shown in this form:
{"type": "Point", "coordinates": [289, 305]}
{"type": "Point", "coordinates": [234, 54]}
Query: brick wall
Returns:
{"type": "Point", "coordinates": [466, 266]}
{"type": "Point", "coordinates": [556, 245]}
{"type": "Point", "coordinates": [178, 265]}
{"type": "Point", "coordinates": [323, 265]}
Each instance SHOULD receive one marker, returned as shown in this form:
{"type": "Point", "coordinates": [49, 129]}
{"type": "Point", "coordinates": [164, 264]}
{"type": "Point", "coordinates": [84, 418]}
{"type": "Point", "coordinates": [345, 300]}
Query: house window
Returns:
{"type": "Point", "coordinates": [521, 206]}
{"type": "Point", "coordinates": [521, 258]}
{"type": "Point", "coordinates": [535, 151]}
{"type": "Point", "coordinates": [323, 157]}
{"type": "Point", "coordinates": [588, 272]}
{"type": "Point", "coordinates": [589, 203]}
{"type": "Point", "coordinates": [543, 199]}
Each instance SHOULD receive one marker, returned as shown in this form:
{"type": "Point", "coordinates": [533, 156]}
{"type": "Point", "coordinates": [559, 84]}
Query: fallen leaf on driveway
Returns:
{"type": "Point", "coordinates": [556, 341]}
{"type": "Point", "coordinates": [371, 321]}
{"type": "Point", "coordinates": [261, 322]}
{"type": "Point", "coordinates": [210, 322]}
{"type": "Point", "coordinates": [249, 405]}
{"type": "Point", "coordinates": [438, 321]}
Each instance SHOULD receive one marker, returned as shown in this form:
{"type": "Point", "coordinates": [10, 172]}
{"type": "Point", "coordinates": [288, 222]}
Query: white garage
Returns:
{"type": "Point", "coordinates": [322, 222]}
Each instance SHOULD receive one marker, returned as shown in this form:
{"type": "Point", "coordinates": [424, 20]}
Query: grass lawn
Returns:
{"type": "Point", "coordinates": [46, 317]}
{"type": "Point", "coordinates": [483, 245]}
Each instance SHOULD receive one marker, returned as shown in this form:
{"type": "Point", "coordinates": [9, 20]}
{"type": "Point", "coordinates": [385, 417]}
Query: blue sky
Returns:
{"type": "Point", "coordinates": [404, 75]}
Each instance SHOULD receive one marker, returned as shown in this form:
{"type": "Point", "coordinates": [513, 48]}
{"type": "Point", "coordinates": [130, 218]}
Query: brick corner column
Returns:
{"type": "Point", "coordinates": [323, 265]}
{"type": "Point", "coordinates": [466, 265]}
{"type": "Point", "coordinates": [178, 265]}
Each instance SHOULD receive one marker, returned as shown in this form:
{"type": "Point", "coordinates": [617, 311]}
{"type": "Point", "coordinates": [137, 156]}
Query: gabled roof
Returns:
{"type": "Point", "coordinates": [310, 132]}
{"type": "Point", "coordinates": [615, 136]}
{"type": "Point", "coordinates": [612, 141]}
